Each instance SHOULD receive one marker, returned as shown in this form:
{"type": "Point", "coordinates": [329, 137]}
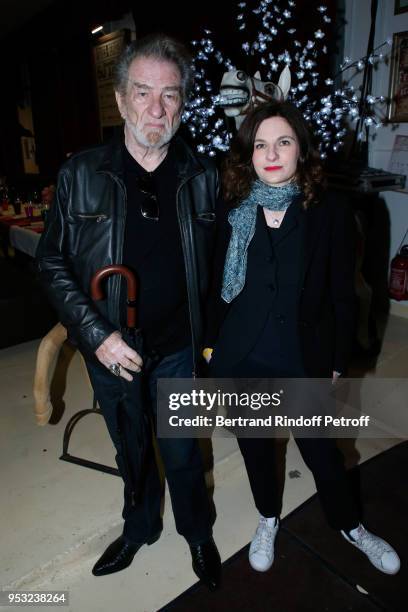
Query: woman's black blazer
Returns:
{"type": "Point", "coordinates": [326, 301]}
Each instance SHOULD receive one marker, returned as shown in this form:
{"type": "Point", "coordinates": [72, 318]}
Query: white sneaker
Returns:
{"type": "Point", "coordinates": [261, 551]}
{"type": "Point", "coordinates": [379, 552]}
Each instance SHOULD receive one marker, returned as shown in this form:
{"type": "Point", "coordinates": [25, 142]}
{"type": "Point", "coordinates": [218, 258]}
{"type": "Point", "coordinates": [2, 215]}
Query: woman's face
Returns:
{"type": "Point", "coordinates": [276, 152]}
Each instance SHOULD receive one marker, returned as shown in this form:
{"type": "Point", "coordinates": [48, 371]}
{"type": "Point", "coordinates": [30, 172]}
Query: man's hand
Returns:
{"type": "Point", "coordinates": [114, 350]}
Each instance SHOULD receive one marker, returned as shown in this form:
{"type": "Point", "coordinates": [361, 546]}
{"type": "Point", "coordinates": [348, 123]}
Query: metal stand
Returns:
{"type": "Point", "coordinates": [66, 456]}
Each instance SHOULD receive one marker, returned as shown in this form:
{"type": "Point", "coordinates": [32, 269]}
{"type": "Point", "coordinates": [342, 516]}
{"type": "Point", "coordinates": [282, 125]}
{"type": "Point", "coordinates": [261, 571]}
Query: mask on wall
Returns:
{"type": "Point", "coordinates": [239, 93]}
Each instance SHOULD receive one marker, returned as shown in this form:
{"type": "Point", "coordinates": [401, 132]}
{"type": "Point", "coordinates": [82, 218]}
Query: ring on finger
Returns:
{"type": "Point", "coordinates": [115, 368]}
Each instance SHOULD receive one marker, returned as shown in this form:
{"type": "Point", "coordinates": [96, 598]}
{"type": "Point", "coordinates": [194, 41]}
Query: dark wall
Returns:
{"type": "Point", "coordinates": [65, 109]}
{"type": "Point", "coordinates": [55, 50]}
{"type": "Point", "coordinates": [10, 130]}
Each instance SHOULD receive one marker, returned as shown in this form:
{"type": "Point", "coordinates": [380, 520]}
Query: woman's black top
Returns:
{"type": "Point", "coordinates": [272, 277]}
{"type": "Point", "coordinates": [297, 307]}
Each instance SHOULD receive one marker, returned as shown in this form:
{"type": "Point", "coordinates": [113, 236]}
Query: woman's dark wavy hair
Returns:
{"type": "Point", "coordinates": [238, 171]}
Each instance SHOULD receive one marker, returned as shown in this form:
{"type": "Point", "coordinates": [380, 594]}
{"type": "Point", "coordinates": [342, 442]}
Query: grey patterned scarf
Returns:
{"type": "Point", "coordinates": [243, 221]}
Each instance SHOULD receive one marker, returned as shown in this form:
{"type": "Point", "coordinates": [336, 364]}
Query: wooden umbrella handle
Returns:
{"type": "Point", "coordinates": [98, 294]}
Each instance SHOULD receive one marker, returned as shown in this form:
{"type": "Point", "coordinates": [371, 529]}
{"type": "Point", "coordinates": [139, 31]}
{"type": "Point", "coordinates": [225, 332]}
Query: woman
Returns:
{"type": "Point", "coordinates": [283, 305]}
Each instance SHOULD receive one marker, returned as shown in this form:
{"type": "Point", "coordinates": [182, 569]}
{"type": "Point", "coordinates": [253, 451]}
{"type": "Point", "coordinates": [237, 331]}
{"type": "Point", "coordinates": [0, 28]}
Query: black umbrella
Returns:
{"type": "Point", "coordinates": [134, 427]}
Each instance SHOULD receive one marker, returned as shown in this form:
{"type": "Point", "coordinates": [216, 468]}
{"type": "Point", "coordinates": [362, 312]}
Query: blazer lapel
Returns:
{"type": "Point", "coordinates": [290, 221]}
{"type": "Point", "coordinates": [261, 245]}
{"type": "Point", "coordinates": [311, 221]}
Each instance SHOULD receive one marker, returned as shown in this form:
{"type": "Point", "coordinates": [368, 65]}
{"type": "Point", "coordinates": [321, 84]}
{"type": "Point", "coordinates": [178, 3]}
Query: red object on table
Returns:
{"type": "Point", "coordinates": [21, 222]}
{"type": "Point", "coordinates": [7, 221]}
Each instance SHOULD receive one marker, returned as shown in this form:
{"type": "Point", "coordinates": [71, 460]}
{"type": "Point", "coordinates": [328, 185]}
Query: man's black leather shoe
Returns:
{"type": "Point", "coordinates": [207, 563]}
{"type": "Point", "coordinates": [118, 556]}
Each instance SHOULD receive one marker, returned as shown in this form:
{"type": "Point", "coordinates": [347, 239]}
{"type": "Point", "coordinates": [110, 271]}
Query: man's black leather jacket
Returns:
{"type": "Point", "coordinates": [85, 232]}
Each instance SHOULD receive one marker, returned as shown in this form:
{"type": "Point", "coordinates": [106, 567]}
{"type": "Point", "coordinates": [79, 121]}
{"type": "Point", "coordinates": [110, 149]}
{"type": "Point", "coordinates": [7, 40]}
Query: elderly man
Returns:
{"type": "Point", "coordinates": [146, 201]}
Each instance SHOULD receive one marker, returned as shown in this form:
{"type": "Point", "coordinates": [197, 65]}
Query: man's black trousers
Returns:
{"type": "Point", "coordinates": [181, 459]}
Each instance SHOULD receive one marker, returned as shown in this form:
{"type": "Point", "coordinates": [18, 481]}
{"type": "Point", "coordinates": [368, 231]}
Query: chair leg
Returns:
{"type": "Point", "coordinates": [66, 456]}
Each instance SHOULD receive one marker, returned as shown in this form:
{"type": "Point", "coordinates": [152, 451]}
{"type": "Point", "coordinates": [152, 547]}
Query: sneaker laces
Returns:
{"type": "Point", "coordinates": [264, 537]}
{"type": "Point", "coordinates": [370, 543]}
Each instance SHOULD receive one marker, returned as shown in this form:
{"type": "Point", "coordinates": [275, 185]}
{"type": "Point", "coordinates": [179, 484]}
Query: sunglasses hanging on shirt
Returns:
{"type": "Point", "coordinates": [149, 207]}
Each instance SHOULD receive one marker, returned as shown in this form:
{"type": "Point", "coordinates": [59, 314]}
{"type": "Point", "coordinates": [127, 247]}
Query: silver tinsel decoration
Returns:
{"type": "Point", "coordinates": [327, 116]}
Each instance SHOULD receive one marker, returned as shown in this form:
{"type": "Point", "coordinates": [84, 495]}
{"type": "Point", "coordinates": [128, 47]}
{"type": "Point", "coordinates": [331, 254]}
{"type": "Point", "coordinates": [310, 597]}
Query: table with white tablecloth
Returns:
{"type": "Point", "coordinates": [24, 239]}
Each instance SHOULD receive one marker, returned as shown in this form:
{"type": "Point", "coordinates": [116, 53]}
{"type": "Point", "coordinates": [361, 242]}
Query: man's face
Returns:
{"type": "Point", "coordinates": [152, 105]}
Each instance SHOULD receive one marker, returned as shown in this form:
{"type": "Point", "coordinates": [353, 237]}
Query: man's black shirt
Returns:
{"type": "Point", "coordinates": [152, 249]}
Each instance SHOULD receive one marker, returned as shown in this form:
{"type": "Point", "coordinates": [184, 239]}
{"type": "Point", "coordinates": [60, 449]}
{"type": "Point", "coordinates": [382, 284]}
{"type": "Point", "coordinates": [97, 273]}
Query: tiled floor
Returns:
{"type": "Point", "coordinates": [57, 518]}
